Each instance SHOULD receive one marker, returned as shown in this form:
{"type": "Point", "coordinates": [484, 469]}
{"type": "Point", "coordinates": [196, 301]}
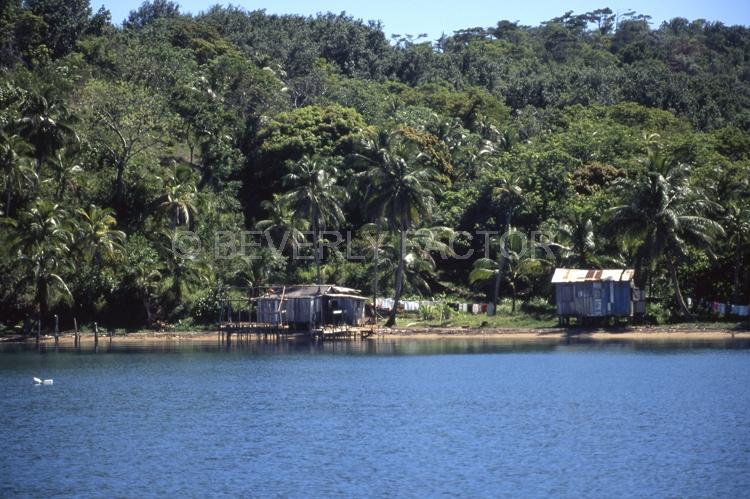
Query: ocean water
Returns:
{"type": "Point", "coordinates": [469, 418]}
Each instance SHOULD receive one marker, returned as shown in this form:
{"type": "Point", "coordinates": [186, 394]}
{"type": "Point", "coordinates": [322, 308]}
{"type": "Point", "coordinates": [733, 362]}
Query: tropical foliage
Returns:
{"type": "Point", "coordinates": [128, 151]}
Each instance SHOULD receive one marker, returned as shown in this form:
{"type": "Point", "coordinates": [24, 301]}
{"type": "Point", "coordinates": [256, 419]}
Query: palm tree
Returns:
{"type": "Point", "coordinates": [142, 272]}
{"type": "Point", "coordinates": [662, 214]}
{"type": "Point", "coordinates": [41, 245]}
{"type": "Point", "coordinates": [282, 226]}
{"type": "Point", "coordinates": [63, 171]}
{"type": "Point", "coordinates": [314, 194]}
{"type": "Point", "coordinates": [421, 244]}
{"type": "Point", "coordinates": [737, 221]}
{"type": "Point", "coordinates": [14, 167]}
{"type": "Point", "coordinates": [146, 278]}
{"type": "Point", "coordinates": [524, 260]}
{"type": "Point", "coordinates": [186, 268]}
{"type": "Point", "coordinates": [46, 124]}
{"type": "Point", "coordinates": [402, 190]}
{"type": "Point", "coordinates": [578, 242]}
{"type": "Point", "coordinates": [733, 194]}
{"type": "Point", "coordinates": [97, 233]}
{"type": "Point", "coordinates": [509, 193]}
{"type": "Point", "coordinates": [373, 239]}
{"type": "Point", "coordinates": [178, 203]}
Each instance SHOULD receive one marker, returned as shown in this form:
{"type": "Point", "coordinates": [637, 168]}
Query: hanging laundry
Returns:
{"type": "Point", "coordinates": [384, 303]}
{"type": "Point", "coordinates": [490, 309]}
{"type": "Point", "coordinates": [411, 306]}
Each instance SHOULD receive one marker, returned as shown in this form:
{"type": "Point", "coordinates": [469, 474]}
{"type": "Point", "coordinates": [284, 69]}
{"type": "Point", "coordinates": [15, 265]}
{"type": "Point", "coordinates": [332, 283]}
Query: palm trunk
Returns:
{"type": "Point", "coordinates": [676, 284]}
{"type": "Point", "coordinates": [496, 291]}
{"type": "Point", "coordinates": [399, 277]}
{"type": "Point", "coordinates": [147, 307]}
{"type": "Point", "coordinates": [42, 295]}
{"type": "Point", "coordinates": [7, 201]}
{"type": "Point", "coordinates": [177, 286]}
{"type": "Point", "coordinates": [376, 277]}
{"type": "Point", "coordinates": [512, 297]}
{"type": "Point", "coordinates": [737, 272]}
{"type": "Point", "coordinates": [501, 270]}
{"type": "Point", "coordinates": [316, 243]}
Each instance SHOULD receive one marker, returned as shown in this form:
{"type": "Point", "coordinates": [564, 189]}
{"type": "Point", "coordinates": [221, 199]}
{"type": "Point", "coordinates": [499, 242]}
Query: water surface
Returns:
{"type": "Point", "coordinates": [410, 418]}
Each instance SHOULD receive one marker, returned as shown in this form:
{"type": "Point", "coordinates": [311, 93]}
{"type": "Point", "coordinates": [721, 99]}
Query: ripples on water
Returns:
{"type": "Point", "coordinates": [460, 417]}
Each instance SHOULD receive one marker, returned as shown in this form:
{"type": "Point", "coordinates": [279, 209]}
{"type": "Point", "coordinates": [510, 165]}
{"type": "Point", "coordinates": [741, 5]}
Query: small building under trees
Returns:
{"type": "Point", "coordinates": [597, 294]}
{"type": "Point", "coordinates": [311, 306]}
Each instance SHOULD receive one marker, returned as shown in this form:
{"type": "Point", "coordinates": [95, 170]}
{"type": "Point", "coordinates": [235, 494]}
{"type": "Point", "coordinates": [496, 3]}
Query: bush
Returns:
{"type": "Point", "coordinates": [207, 307]}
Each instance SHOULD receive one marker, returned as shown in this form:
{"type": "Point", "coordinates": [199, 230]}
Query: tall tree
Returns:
{"type": "Point", "coordinates": [185, 266]}
{"type": "Point", "coordinates": [402, 190]}
{"type": "Point", "coordinates": [124, 121]}
{"type": "Point", "coordinates": [282, 225]}
{"type": "Point", "coordinates": [63, 172]}
{"type": "Point", "coordinates": [14, 167]}
{"type": "Point", "coordinates": [578, 242]}
{"type": "Point", "coordinates": [509, 193]}
{"type": "Point", "coordinates": [97, 234]}
{"type": "Point", "coordinates": [46, 124]}
{"type": "Point", "coordinates": [524, 259]}
{"type": "Point", "coordinates": [66, 20]}
{"type": "Point", "coordinates": [661, 215]}
{"type": "Point", "coordinates": [41, 245]}
{"type": "Point", "coordinates": [179, 200]}
{"type": "Point", "coordinates": [315, 195]}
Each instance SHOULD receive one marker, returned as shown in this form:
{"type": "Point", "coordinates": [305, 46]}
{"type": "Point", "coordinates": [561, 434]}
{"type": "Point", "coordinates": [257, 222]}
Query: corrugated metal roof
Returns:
{"type": "Point", "coordinates": [308, 291]}
{"type": "Point", "coordinates": [344, 295]}
{"type": "Point", "coordinates": [592, 275]}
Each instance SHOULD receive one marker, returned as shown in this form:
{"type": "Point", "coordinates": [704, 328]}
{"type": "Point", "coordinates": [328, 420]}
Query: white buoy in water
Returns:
{"type": "Point", "coordinates": [38, 381]}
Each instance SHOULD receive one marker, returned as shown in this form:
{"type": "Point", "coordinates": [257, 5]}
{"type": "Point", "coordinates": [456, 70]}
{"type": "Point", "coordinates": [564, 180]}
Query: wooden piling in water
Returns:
{"type": "Point", "coordinates": [96, 334]}
{"type": "Point", "coordinates": [57, 330]}
{"type": "Point", "coordinates": [76, 336]}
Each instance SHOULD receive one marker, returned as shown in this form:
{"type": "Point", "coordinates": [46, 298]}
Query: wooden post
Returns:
{"type": "Point", "coordinates": [57, 330]}
{"type": "Point", "coordinates": [96, 334]}
{"type": "Point", "coordinates": [39, 330]}
{"type": "Point", "coordinates": [76, 337]}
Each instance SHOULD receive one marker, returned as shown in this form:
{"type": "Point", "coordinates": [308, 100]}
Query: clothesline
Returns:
{"type": "Point", "coordinates": [416, 305]}
{"type": "Point", "coordinates": [729, 309]}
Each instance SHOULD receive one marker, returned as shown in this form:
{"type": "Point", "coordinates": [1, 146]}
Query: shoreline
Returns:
{"type": "Point", "coordinates": [654, 333]}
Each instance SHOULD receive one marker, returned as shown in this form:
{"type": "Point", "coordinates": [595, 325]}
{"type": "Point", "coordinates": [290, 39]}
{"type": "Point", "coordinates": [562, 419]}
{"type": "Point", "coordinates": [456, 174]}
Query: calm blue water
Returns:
{"type": "Point", "coordinates": [465, 418]}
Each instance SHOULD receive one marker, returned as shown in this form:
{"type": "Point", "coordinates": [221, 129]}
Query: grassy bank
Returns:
{"type": "Point", "coordinates": [535, 315]}
{"type": "Point", "coordinates": [540, 315]}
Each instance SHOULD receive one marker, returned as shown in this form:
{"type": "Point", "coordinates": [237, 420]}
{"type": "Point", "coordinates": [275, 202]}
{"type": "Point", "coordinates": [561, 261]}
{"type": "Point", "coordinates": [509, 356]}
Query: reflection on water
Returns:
{"type": "Point", "coordinates": [399, 346]}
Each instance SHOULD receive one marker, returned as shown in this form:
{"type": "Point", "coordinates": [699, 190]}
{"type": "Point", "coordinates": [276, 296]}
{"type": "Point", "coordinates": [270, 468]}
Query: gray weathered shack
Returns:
{"type": "Point", "coordinates": [311, 306]}
{"type": "Point", "coordinates": [584, 294]}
